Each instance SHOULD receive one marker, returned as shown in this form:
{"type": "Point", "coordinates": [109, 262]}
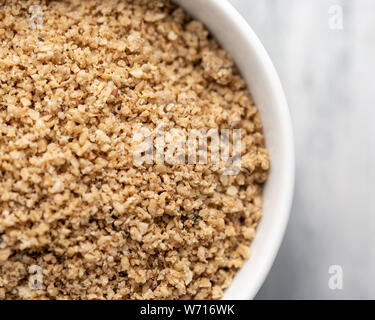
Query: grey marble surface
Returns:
{"type": "Point", "coordinates": [327, 75]}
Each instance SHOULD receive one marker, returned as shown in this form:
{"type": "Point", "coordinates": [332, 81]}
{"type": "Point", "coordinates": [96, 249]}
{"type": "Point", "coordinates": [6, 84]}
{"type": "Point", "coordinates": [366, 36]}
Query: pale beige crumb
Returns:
{"type": "Point", "coordinates": [72, 202]}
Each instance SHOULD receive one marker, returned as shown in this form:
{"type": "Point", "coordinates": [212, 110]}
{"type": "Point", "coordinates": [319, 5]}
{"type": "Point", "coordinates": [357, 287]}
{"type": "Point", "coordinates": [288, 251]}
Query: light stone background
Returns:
{"type": "Point", "coordinates": [328, 76]}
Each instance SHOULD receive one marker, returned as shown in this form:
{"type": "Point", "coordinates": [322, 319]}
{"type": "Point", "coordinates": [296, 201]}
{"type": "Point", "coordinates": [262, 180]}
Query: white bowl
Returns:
{"type": "Point", "coordinates": [236, 36]}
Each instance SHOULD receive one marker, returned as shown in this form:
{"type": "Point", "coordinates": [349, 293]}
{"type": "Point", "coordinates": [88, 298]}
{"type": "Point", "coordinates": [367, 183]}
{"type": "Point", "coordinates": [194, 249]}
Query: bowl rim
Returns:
{"type": "Point", "coordinates": [285, 203]}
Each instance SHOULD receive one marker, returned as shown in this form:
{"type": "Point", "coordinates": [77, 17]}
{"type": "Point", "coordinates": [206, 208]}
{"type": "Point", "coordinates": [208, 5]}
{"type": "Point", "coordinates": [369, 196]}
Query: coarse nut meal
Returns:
{"type": "Point", "coordinates": [78, 219]}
